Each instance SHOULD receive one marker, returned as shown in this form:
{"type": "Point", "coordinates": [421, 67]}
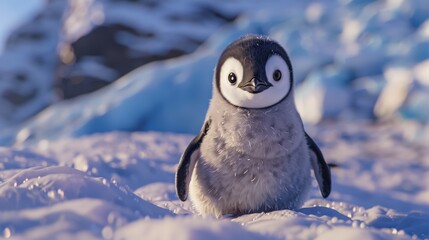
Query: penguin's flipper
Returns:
{"type": "Point", "coordinates": [187, 163]}
{"type": "Point", "coordinates": [320, 168]}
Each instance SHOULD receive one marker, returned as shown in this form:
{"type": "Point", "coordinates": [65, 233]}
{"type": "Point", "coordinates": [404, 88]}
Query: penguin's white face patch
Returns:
{"type": "Point", "coordinates": [277, 74]}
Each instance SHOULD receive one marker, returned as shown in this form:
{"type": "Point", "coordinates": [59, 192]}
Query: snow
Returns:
{"type": "Point", "coordinates": [421, 72]}
{"type": "Point", "coordinates": [91, 67]}
{"type": "Point", "coordinates": [27, 63]}
{"type": "Point", "coordinates": [80, 170]}
{"type": "Point", "coordinates": [186, 228]}
{"type": "Point", "coordinates": [80, 18]}
{"type": "Point", "coordinates": [121, 186]}
{"type": "Point", "coordinates": [393, 96]}
{"type": "Point", "coordinates": [349, 65]}
{"type": "Point", "coordinates": [13, 13]}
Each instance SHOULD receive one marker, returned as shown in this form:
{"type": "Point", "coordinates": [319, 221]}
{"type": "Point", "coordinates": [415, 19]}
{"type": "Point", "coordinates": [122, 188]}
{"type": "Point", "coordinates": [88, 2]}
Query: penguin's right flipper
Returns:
{"type": "Point", "coordinates": [320, 168]}
{"type": "Point", "coordinates": [187, 163]}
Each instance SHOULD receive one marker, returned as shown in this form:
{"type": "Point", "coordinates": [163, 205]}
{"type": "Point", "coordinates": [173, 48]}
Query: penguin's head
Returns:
{"type": "Point", "coordinates": [254, 72]}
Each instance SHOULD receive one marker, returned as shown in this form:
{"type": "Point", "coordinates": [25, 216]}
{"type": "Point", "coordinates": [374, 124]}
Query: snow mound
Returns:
{"type": "Point", "coordinates": [121, 186]}
{"type": "Point", "coordinates": [183, 228]}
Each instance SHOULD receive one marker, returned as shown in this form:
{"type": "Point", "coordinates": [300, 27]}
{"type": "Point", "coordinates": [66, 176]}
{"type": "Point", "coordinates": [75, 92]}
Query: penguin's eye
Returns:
{"type": "Point", "coordinates": [277, 75]}
{"type": "Point", "coordinates": [232, 78]}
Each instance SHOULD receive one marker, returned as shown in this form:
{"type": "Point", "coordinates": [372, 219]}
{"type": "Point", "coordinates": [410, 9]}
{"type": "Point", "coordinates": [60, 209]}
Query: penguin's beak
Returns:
{"type": "Point", "coordinates": [254, 85]}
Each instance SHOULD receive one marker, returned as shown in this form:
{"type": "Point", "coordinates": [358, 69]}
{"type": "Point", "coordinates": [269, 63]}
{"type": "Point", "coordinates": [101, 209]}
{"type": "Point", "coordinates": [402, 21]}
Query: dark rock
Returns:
{"type": "Point", "coordinates": [103, 43]}
{"type": "Point", "coordinates": [17, 98]}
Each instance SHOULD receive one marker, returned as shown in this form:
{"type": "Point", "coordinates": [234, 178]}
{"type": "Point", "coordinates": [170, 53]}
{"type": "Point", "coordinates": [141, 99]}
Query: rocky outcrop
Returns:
{"type": "Point", "coordinates": [127, 34]}
{"type": "Point", "coordinates": [78, 46]}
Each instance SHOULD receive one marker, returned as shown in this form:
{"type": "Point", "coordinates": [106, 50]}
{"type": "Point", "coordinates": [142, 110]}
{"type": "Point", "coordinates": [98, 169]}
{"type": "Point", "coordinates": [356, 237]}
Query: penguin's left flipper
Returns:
{"type": "Point", "coordinates": [187, 163]}
{"type": "Point", "coordinates": [320, 168]}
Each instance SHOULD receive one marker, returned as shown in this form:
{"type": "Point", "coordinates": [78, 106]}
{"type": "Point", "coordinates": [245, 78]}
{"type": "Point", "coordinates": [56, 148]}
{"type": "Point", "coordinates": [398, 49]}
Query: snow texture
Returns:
{"type": "Point", "coordinates": [355, 61]}
{"type": "Point", "coordinates": [121, 186]}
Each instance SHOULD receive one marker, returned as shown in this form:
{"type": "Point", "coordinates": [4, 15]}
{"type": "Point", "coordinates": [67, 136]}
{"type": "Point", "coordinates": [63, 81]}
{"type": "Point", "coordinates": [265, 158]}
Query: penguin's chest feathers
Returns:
{"type": "Point", "coordinates": [252, 165]}
{"type": "Point", "coordinates": [248, 159]}
{"type": "Point", "coordinates": [253, 148]}
{"type": "Point", "coordinates": [261, 135]}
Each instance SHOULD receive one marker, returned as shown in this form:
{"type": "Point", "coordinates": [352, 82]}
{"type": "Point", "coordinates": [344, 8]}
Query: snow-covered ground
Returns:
{"type": "Point", "coordinates": [121, 186]}
{"type": "Point", "coordinates": [356, 62]}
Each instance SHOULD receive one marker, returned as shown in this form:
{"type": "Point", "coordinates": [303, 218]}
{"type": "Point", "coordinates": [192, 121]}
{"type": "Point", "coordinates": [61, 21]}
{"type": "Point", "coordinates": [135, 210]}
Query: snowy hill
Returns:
{"type": "Point", "coordinates": [366, 70]}
{"type": "Point", "coordinates": [121, 186]}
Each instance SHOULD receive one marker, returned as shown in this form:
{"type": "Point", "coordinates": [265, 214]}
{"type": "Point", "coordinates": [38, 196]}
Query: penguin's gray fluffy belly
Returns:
{"type": "Point", "coordinates": [252, 160]}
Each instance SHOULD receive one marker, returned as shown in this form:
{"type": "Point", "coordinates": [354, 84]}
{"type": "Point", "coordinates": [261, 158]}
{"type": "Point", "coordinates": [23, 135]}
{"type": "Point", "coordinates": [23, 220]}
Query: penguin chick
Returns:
{"type": "Point", "coordinates": [252, 154]}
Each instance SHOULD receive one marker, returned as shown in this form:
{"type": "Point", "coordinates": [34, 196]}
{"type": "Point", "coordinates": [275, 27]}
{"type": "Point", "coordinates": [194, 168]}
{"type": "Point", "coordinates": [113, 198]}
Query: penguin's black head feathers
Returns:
{"type": "Point", "coordinates": [254, 72]}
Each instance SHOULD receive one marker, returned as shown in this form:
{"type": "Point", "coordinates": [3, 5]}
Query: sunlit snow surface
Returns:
{"type": "Point", "coordinates": [121, 185]}
{"type": "Point", "coordinates": [353, 60]}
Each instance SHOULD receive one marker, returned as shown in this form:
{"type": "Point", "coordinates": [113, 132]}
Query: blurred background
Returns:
{"type": "Point", "coordinates": [77, 67]}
